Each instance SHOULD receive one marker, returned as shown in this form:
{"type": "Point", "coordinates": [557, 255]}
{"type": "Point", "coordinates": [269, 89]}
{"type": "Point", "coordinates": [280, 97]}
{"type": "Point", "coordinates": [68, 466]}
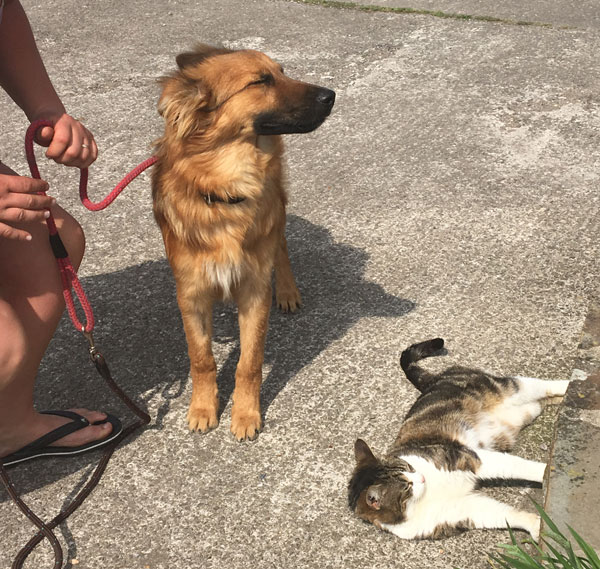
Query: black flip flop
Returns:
{"type": "Point", "coordinates": [41, 446]}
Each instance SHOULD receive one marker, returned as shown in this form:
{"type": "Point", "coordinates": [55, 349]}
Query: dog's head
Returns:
{"type": "Point", "coordinates": [239, 93]}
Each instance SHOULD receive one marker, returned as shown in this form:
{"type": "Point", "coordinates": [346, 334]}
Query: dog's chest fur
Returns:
{"type": "Point", "coordinates": [222, 276]}
{"type": "Point", "coordinates": [218, 244]}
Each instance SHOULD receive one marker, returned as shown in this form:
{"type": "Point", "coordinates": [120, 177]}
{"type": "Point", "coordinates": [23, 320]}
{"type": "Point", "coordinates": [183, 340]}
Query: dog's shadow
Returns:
{"type": "Point", "coordinates": [335, 296]}
{"type": "Point", "coordinates": [139, 331]}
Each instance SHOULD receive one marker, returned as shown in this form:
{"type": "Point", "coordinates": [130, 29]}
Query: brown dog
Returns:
{"type": "Point", "coordinates": [220, 204]}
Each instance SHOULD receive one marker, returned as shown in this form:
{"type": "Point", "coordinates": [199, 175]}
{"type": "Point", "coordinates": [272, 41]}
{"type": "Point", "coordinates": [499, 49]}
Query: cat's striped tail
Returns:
{"type": "Point", "coordinates": [420, 378]}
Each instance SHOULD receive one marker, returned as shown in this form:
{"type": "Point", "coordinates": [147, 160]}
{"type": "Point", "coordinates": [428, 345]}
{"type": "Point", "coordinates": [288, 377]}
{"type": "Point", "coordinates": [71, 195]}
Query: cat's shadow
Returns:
{"type": "Point", "coordinates": [139, 331]}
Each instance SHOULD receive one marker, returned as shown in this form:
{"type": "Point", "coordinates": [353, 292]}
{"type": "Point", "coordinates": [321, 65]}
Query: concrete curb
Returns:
{"type": "Point", "coordinates": [573, 493]}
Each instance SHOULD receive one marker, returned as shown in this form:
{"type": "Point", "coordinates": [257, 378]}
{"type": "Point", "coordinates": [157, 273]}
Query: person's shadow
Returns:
{"type": "Point", "coordinates": [139, 331]}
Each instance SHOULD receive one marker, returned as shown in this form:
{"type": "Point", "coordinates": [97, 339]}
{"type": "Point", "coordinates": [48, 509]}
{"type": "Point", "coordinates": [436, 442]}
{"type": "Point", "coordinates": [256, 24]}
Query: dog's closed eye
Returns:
{"type": "Point", "coordinates": [265, 79]}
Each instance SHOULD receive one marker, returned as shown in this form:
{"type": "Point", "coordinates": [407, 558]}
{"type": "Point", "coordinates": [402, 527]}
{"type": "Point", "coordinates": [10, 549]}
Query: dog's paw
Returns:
{"type": "Point", "coordinates": [288, 300]}
{"type": "Point", "coordinates": [246, 426]}
{"type": "Point", "coordinates": [202, 419]}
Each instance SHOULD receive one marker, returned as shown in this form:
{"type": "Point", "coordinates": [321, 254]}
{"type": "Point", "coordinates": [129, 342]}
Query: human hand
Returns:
{"type": "Point", "coordinates": [68, 141]}
{"type": "Point", "coordinates": [20, 203]}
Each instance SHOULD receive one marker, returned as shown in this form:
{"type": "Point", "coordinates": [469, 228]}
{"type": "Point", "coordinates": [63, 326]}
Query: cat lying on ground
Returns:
{"type": "Point", "coordinates": [456, 434]}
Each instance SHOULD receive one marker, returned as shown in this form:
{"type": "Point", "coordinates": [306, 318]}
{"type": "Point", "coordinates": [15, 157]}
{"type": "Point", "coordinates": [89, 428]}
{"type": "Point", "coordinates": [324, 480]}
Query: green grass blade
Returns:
{"type": "Point", "coordinates": [558, 557]}
{"type": "Point", "coordinates": [537, 547]}
{"type": "Point", "coordinates": [502, 563]}
{"type": "Point", "coordinates": [575, 563]}
{"type": "Point", "coordinates": [520, 564]}
{"type": "Point", "coordinates": [591, 555]}
{"type": "Point", "coordinates": [554, 532]}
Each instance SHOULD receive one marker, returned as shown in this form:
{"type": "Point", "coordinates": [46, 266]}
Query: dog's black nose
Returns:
{"type": "Point", "coordinates": [326, 97]}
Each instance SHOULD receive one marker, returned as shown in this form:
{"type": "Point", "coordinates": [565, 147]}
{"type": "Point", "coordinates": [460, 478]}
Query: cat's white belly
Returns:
{"type": "Point", "coordinates": [441, 481]}
{"type": "Point", "coordinates": [488, 429]}
{"type": "Point", "coordinates": [439, 501]}
{"type": "Point", "coordinates": [449, 500]}
{"type": "Point", "coordinates": [502, 423]}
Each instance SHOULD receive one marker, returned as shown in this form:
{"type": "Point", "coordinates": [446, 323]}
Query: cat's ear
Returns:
{"type": "Point", "coordinates": [362, 452]}
{"type": "Point", "coordinates": [374, 497]}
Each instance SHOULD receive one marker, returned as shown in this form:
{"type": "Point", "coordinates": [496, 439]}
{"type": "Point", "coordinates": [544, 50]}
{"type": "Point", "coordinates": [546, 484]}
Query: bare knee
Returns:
{"type": "Point", "coordinates": [71, 234]}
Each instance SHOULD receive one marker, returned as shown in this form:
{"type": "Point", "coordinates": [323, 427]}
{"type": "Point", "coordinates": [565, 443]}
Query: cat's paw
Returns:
{"type": "Point", "coordinates": [557, 387]}
{"type": "Point", "coordinates": [520, 519]}
{"type": "Point", "coordinates": [532, 525]}
{"type": "Point", "coordinates": [402, 530]}
{"type": "Point", "coordinates": [535, 471]}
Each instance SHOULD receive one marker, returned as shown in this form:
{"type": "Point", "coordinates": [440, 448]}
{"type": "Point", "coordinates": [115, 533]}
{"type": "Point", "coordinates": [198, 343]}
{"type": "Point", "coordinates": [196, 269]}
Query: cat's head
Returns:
{"type": "Point", "coordinates": [380, 490]}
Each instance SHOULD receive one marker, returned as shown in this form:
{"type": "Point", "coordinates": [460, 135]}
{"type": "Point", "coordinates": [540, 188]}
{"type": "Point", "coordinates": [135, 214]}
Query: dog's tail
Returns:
{"type": "Point", "coordinates": [420, 378]}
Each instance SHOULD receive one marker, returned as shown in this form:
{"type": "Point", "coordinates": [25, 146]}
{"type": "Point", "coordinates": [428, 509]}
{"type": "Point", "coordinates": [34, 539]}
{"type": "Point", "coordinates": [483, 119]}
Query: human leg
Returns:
{"type": "Point", "coordinates": [31, 305]}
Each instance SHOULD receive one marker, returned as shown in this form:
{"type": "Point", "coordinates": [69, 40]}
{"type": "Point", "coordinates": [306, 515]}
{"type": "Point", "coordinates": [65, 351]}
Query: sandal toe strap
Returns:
{"type": "Point", "coordinates": [77, 423]}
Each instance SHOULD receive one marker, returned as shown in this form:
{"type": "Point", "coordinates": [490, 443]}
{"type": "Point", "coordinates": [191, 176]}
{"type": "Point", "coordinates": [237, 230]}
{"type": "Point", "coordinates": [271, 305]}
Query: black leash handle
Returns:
{"type": "Point", "coordinates": [45, 530]}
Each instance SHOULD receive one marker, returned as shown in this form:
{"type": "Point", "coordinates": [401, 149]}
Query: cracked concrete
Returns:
{"type": "Point", "coordinates": [453, 192]}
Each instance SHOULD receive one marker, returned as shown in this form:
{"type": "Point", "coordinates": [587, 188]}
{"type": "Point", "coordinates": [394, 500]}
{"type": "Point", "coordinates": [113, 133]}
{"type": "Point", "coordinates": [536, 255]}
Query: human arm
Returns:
{"type": "Point", "coordinates": [24, 77]}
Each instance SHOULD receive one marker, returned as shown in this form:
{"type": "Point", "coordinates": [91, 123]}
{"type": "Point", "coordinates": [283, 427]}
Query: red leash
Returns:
{"type": "Point", "coordinates": [67, 272]}
{"type": "Point", "coordinates": [70, 281]}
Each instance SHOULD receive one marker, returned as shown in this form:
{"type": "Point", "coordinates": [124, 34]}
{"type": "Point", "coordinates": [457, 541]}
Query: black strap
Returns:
{"type": "Point", "coordinates": [212, 198]}
{"type": "Point", "coordinates": [77, 422]}
{"type": "Point", "coordinates": [45, 529]}
{"type": "Point", "coordinates": [58, 247]}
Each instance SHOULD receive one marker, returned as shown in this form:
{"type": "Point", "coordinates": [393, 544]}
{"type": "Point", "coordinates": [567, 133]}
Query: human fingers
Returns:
{"type": "Point", "coordinates": [93, 149]}
{"type": "Point", "coordinates": [76, 150]}
{"type": "Point", "coordinates": [44, 135]}
{"type": "Point", "coordinates": [21, 184]}
{"type": "Point", "coordinates": [61, 140]}
{"type": "Point", "coordinates": [20, 202]}
{"type": "Point", "coordinates": [72, 144]}
{"type": "Point", "coordinates": [33, 202]}
{"type": "Point", "coordinates": [23, 215]}
{"type": "Point", "coordinates": [9, 232]}
{"type": "Point", "coordinates": [88, 150]}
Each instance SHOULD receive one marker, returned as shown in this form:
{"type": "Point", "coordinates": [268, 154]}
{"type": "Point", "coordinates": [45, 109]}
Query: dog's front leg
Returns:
{"type": "Point", "coordinates": [254, 302]}
{"type": "Point", "coordinates": [286, 291]}
{"type": "Point", "coordinates": [197, 322]}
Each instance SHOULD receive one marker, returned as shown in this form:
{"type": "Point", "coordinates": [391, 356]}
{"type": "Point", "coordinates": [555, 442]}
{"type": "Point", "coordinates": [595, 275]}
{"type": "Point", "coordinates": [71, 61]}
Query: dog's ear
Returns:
{"type": "Point", "coordinates": [183, 103]}
{"type": "Point", "coordinates": [186, 99]}
{"type": "Point", "coordinates": [198, 54]}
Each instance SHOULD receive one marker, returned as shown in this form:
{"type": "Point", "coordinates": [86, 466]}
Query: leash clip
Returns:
{"type": "Point", "coordinates": [92, 349]}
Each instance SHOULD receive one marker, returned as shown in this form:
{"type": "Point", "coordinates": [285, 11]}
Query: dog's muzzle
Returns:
{"type": "Point", "coordinates": [308, 115]}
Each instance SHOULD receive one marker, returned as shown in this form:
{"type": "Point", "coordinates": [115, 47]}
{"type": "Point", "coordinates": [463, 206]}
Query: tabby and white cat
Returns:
{"type": "Point", "coordinates": [455, 435]}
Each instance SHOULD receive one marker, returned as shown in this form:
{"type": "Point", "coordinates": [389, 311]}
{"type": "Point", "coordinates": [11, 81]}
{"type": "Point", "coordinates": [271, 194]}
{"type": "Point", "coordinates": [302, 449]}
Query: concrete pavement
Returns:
{"type": "Point", "coordinates": [453, 192]}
